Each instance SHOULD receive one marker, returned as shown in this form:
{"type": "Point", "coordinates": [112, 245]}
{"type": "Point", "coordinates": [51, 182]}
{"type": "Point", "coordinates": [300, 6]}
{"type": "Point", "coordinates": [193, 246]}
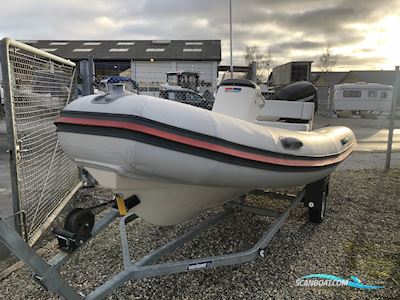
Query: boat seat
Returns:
{"type": "Point", "coordinates": [287, 109]}
{"type": "Point", "coordinates": [289, 115]}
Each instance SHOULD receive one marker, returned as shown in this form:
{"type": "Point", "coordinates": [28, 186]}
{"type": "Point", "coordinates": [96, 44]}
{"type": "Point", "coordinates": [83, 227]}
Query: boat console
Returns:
{"type": "Point", "coordinates": [292, 107]}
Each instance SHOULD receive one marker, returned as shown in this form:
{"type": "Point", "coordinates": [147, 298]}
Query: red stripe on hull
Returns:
{"type": "Point", "coordinates": [204, 145]}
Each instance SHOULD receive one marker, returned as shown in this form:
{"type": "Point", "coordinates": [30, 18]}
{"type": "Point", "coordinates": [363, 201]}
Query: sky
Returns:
{"type": "Point", "coordinates": [363, 34]}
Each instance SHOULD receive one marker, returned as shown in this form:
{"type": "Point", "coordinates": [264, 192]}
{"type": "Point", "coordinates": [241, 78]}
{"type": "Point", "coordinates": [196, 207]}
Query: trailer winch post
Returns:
{"type": "Point", "coordinates": [48, 277]}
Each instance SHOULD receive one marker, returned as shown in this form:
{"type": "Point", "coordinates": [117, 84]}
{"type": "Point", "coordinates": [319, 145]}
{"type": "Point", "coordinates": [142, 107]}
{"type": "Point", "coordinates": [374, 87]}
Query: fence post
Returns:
{"type": "Point", "coordinates": [1, 96]}
{"type": "Point", "coordinates": [1, 106]}
{"type": "Point", "coordinates": [392, 118]}
{"type": "Point", "coordinates": [331, 94]}
{"type": "Point", "coordinates": [91, 75]}
{"type": "Point", "coordinates": [11, 134]}
{"type": "Point", "coordinates": [86, 73]}
{"type": "Point", "coordinates": [253, 71]}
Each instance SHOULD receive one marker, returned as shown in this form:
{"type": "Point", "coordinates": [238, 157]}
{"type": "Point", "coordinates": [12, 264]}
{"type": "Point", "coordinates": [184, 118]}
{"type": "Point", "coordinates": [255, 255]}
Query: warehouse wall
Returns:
{"type": "Point", "coordinates": [150, 74]}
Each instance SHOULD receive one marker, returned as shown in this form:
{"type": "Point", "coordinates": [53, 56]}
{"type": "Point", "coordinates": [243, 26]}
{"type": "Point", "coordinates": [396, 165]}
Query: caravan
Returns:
{"type": "Point", "coordinates": [362, 96]}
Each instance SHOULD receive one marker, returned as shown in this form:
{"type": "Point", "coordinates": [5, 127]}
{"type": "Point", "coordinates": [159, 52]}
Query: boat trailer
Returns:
{"type": "Point", "coordinates": [48, 276]}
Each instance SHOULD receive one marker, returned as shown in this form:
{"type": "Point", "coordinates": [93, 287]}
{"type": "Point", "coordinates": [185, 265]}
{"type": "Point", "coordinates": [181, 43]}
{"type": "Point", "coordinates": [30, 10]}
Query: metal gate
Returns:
{"type": "Point", "coordinates": [37, 85]}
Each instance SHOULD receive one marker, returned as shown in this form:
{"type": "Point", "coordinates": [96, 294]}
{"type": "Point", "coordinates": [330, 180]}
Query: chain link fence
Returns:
{"type": "Point", "coordinates": [37, 86]}
{"type": "Point", "coordinates": [366, 111]}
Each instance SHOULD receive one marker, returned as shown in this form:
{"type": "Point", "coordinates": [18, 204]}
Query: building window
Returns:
{"type": "Point", "coordinates": [119, 49]}
{"type": "Point", "coordinates": [155, 49]}
{"type": "Point", "coordinates": [383, 95]}
{"type": "Point", "coordinates": [351, 94]}
{"type": "Point", "coordinates": [82, 50]}
{"type": "Point", "coordinates": [58, 43]}
{"type": "Point", "coordinates": [125, 43]}
{"type": "Point", "coordinates": [372, 94]}
{"type": "Point", "coordinates": [49, 49]}
{"type": "Point", "coordinates": [194, 43]}
{"type": "Point", "coordinates": [192, 50]}
{"type": "Point", "coordinates": [92, 43]}
{"type": "Point", "coordinates": [28, 41]}
{"type": "Point", "coordinates": [161, 42]}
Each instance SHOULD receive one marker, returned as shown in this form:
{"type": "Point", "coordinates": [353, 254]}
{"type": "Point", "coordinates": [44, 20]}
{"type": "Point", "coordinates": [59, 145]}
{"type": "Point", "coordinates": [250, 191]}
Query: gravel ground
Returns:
{"type": "Point", "coordinates": [360, 236]}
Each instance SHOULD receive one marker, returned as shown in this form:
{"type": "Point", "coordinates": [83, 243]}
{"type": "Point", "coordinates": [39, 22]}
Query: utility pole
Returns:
{"type": "Point", "coordinates": [230, 33]}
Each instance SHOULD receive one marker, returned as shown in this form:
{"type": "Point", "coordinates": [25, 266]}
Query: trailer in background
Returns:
{"type": "Point", "coordinates": [362, 97]}
{"type": "Point", "coordinates": [290, 72]}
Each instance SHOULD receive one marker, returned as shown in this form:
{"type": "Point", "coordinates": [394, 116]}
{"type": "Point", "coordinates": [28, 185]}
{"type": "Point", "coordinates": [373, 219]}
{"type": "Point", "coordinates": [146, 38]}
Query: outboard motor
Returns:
{"type": "Point", "coordinates": [239, 98]}
{"type": "Point", "coordinates": [303, 91]}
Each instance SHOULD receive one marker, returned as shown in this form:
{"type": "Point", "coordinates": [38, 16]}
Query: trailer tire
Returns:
{"type": "Point", "coordinates": [316, 198]}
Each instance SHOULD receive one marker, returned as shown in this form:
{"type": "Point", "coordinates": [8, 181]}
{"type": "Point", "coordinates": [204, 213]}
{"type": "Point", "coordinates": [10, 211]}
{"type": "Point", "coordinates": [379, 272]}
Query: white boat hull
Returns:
{"type": "Point", "coordinates": [165, 203]}
{"type": "Point", "coordinates": [181, 160]}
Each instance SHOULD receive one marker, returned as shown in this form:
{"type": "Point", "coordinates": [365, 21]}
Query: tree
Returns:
{"type": "Point", "coordinates": [327, 60]}
{"type": "Point", "coordinates": [253, 54]}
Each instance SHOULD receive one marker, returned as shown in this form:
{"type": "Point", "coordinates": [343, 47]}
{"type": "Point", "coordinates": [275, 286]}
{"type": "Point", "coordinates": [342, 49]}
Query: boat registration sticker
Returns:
{"type": "Point", "coordinates": [200, 265]}
{"type": "Point", "coordinates": [233, 90]}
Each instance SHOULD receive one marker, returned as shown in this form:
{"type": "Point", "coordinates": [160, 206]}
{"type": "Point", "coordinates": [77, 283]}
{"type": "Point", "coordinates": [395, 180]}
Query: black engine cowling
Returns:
{"type": "Point", "coordinates": [298, 91]}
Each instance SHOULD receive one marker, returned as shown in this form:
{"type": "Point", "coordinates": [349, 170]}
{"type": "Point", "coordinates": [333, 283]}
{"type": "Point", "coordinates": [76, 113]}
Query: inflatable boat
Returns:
{"type": "Point", "coordinates": [180, 160]}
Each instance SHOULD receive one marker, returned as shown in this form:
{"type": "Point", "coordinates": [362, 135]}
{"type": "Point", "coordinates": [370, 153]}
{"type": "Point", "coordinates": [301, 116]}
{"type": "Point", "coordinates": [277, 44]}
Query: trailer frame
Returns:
{"type": "Point", "coordinates": [48, 276]}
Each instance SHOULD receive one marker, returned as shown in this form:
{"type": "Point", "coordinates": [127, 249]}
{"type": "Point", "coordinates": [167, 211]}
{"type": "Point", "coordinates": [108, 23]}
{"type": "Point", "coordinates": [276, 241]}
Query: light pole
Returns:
{"type": "Point", "coordinates": [230, 33]}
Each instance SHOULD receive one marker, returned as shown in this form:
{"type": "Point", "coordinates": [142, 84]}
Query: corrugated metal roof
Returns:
{"type": "Point", "coordinates": [210, 49]}
{"type": "Point", "coordinates": [329, 77]}
{"type": "Point", "coordinates": [378, 76]}
{"type": "Point", "coordinates": [375, 76]}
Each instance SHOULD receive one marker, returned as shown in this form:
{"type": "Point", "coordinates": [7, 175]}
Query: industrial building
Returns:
{"type": "Point", "coordinates": [145, 61]}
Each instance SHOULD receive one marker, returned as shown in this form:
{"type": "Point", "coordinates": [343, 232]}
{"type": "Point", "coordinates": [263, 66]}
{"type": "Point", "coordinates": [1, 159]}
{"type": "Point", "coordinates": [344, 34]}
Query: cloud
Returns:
{"type": "Point", "coordinates": [355, 62]}
{"type": "Point", "coordinates": [299, 45]}
{"type": "Point", "coordinates": [290, 28]}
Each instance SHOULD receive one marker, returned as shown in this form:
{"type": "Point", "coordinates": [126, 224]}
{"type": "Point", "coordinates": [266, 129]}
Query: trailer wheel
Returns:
{"type": "Point", "coordinates": [315, 198]}
{"type": "Point", "coordinates": [79, 221]}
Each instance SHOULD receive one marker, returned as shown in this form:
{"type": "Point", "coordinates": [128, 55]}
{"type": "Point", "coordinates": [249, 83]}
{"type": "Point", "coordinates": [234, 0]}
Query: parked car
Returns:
{"type": "Point", "coordinates": [184, 95]}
